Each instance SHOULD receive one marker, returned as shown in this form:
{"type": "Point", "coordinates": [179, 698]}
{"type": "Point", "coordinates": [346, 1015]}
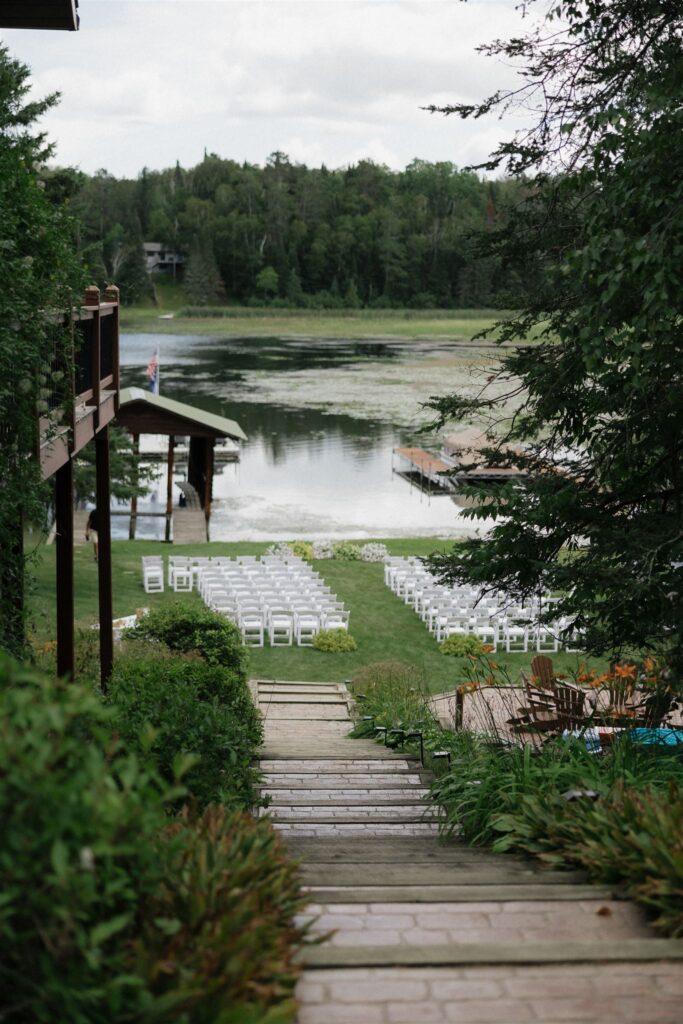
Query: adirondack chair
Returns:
{"type": "Point", "coordinates": [543, 671]}
{"type": "Point", "coordinates": [539, 713]}
{"type": "Point", "coordinates": [571, 707]}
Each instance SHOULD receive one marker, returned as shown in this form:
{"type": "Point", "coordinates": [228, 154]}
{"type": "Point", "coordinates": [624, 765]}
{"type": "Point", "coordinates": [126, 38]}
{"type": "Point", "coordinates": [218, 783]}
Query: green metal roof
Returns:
{"type": "Point", "coordinates": [219, 425]}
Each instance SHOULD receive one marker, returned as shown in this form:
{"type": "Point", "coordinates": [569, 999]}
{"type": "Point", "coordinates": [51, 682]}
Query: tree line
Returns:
{"type": "Point", "coordinates": [287, 234]}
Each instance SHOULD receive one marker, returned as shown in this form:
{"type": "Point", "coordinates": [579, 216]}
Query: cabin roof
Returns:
{"type": "Point", "coordinates": [142, 412]}
{"type": "Point", "coordinates": [54, 14]}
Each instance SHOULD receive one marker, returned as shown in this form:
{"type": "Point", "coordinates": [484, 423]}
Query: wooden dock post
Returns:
{"type": "Point", "coordinates": [134, 500]}
{"type": "Point", "coordinates": [169, 489]}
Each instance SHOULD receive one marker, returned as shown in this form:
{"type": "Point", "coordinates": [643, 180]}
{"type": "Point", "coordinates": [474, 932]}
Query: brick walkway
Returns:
{"type": "Point", "coordinates": [425, 932]}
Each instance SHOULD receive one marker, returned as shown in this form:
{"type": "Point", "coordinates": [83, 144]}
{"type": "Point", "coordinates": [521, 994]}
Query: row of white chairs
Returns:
{"type": "Point", "coordinates": [495, 618]}
{"type": "Point", "coordinates": [282, 600]}
{"type": "Point", "coordinates": [183, 570]}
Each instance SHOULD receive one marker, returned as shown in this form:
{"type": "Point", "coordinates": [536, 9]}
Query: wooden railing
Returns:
{"type": "Point", "coordinates": [82, 391]}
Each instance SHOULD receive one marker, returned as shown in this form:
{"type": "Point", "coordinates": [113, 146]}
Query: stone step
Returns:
{"type": "Point", "coordinates": [350, 781]}
{"type": "Point", "coordinates": [307, 711]}
{"type": "Point", "coordinates": [623, 951]}
{"type": "Point", "coordinates": [331, 688]}
{"type": "Point", "coordinates": [362, 812]}
{"type": "Point", "coordinates": [643, 992]}
{"type": "Point", "coordinates": [277, 729]}
{"type": "Point", "coordinates": [281, 697]}
{"type": "Point", "coordinates": [336, 763]}
{"type": "Point", "coordinates": [505, 891]}
{"type": "Point", "coordinates": [294, 682]}
{"type": "Point", "coordinates": [306, 795]}
{"type": "Point", "coordinates": [290, 747]}
{"type": "Point", "coordinates": [519, 921]}
{"type": "Point", "coordinates": [355, 830]}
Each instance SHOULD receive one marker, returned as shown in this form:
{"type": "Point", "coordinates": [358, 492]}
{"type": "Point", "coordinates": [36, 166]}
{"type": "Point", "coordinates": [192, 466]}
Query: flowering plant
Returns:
{"type": "Point", "coordinates": [322, 549]}
{"type": "Point", "coordinates": [374, 552]}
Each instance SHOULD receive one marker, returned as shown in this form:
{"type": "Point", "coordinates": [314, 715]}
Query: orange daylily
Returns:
{"type": "Point", "coordinates": [625, 671]}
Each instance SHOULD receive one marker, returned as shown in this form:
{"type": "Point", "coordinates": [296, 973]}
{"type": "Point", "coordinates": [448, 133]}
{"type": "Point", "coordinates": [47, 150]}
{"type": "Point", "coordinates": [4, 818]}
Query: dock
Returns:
{"type": "Point", "coordinates": [425, 469]}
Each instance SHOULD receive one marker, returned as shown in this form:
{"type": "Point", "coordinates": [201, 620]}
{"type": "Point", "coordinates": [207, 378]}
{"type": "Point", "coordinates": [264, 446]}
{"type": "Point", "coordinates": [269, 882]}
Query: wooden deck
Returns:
{"type": "Point", "coordinates": [189, 526]}
{"type": "Point", "coordinates": [423, 461]}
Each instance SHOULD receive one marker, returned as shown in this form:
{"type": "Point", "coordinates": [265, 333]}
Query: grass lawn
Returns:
{"type": "Point", "coordinates": [347, 324]}
{"type": "Point", "coordinates": [382, 625]}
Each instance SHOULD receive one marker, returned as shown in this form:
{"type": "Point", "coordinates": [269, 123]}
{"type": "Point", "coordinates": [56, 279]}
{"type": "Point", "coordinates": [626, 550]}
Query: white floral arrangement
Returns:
{"type": "Point", "coordinates": [374, 552]}
{"type": "Point", "coordinates": [322, 549]}
{"type": "Point", "coordinates": [280, 550]}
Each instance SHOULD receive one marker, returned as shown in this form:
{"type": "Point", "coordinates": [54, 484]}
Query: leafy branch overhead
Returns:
{"type": "Point", "coordinates": [598, 240]}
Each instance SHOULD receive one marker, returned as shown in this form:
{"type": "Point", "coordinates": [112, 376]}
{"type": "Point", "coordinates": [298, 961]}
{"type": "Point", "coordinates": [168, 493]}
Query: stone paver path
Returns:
{"type": "Point", "coordinates": [425, 932]}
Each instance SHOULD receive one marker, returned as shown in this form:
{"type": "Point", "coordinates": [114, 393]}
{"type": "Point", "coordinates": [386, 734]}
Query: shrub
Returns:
{"type": "Point", "coordinates": [322, 549]}
{"type": "Point", "coordinates": [192, 627]}
{"type": "Point", "coordinates": [459, 646]}
{"type": "Point", "coordinates": [347, 552]}
{"type": "Point", "coordinates": [79, 824]}
{"type": "Point", "coordinates": [218, 938]}
{"type": "Point", "coordinates": [334, 641]}
{"type": "Point", "coordinates": [302, 549]}
{"type": "Point", "coordinates": [374, 552]}
{"type": "Point", "coordinates": [170, 707]}
{"type": "Point", "coordinates": [108, 912]}
{"type": "Point", "coordinates": [280, 550]}
{"type": "Point", "coordinates": [627, 838]}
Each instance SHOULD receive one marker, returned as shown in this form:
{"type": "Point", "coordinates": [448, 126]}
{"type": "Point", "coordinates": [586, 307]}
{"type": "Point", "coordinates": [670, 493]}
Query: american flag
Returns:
{"type": "Point", "coordinates": [153, 373]}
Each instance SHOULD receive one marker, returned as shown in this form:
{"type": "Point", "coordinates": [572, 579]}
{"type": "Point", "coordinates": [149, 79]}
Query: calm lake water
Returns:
{"type": "Point", "coordinates": [303, 473]}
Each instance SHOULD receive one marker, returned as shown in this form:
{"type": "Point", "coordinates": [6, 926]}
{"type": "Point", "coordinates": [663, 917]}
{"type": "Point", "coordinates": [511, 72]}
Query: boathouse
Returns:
{"type": "Point", "coordinates": [142, 412]}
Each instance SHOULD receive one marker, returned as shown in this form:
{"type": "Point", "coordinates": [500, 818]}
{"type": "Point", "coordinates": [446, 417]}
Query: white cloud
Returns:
{"type": "Point", "coordinates": [146, 82]}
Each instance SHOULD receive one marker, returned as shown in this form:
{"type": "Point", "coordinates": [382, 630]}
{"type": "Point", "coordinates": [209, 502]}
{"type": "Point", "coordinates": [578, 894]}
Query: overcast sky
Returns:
{"type": "Point", "coordinates": [149, 82]}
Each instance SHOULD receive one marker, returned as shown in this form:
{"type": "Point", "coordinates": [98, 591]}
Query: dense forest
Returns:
{"type": "Point", "coordinates": [286, 234]}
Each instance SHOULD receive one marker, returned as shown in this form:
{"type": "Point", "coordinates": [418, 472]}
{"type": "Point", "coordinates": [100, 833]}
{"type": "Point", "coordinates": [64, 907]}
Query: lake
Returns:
{"type": "Point", "coordinates": [322, 418]}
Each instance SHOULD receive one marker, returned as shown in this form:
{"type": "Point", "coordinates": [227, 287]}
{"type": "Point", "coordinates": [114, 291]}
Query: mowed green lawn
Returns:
{"type": "Point", "coordinates": [384, 628]}
{"type": "Point", "coordinates": [355, 324]}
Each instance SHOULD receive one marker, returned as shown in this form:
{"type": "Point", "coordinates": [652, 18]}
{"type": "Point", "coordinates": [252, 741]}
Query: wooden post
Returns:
{"type": "Point", "coordinates": [208, 478]}
{"type": "Point", "coordinates": [104, 559]}
{"type": "Point", "coordinates": [64, 513]}
{"type": "Point", "coordinates": [111, 294]}
{"type": "Point", "coordinates": [169, 488]}
{"type": "Point", "coordinates": [92, 298]}
{"type": "Point", "coordinates": [134, 499]}
{"type": "Point", "coordinates": [459, 702]}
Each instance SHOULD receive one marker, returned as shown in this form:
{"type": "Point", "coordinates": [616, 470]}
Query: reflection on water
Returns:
{"type": "Point", "coordinates": [303, 472]}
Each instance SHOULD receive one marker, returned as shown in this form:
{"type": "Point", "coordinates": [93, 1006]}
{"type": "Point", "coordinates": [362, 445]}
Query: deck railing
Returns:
{"type": "Point", "coordinates": [80, 387]}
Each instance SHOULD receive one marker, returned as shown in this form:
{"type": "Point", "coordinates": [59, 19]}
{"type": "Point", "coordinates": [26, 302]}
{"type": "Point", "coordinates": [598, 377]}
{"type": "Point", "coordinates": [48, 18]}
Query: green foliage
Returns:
{"type": "Point", "coordinates": [217, 939]}
{"type": "Point", "coordinates": [629, 838]}
{"type": "Point", "coordinates": [202, 280]}
{"type": "Point", "coordinates": [346, 551]}
{"type": "Point", "coordinates": [599, 425]}
{"type": "Point", "coordinates": [363, 236]}
{"type": "Point", "coordinates": [302, 548]}
{"type": "Point", "coordinates": [334, 641]}
{"type": "Point", "coordinates": [112, 912]}
{"type": "Point", "coordinates": [78, 855]}
{"type": "Point", "coordinates": [128, 476]}
{"type": "Point", "coordinates": [38, 270]}
{"type": "Point", "coordinates": [393, 693]}
{"type": "Point", "coordinates": [267, 282]}
{"type": "Point", "coordinates": [170, 707]}
{"type": "Point", "coordinates": [192, 627]}
{"type": "Point", "coordinates": [459, 646]}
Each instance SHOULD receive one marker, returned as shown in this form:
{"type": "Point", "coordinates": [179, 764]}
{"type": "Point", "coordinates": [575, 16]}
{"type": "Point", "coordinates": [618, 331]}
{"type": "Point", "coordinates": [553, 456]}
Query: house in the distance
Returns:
{"type": "Point", "coordinates": [161, 260]}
